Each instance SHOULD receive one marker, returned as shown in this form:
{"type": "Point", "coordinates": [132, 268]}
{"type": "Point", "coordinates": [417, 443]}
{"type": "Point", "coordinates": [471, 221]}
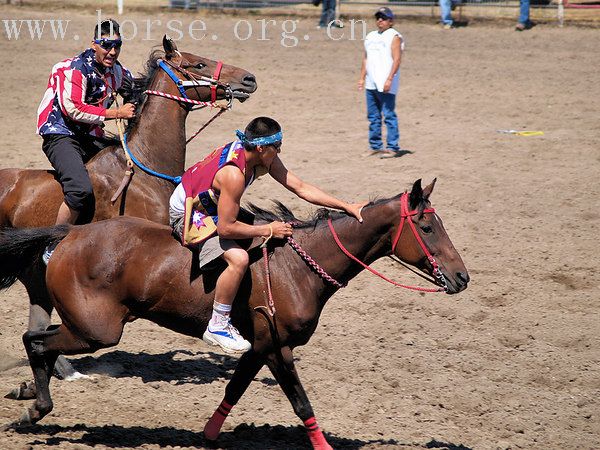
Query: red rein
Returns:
{"type": "Point", "coordinates": [404, 213]}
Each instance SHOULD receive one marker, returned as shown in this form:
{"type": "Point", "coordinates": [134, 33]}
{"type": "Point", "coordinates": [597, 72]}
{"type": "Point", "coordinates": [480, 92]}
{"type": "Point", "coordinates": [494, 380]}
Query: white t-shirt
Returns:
{"type": "Point", "coordinates": [379, 59]}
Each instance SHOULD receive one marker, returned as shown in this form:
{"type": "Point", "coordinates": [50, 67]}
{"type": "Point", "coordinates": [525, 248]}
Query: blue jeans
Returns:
{"type": "Point", "coordinates": [446, 11]}
{"type": "Point", "coordinates": [524, 12]}
{"type": "Point", "coordinates": [328, 13]}
{"type": "Point", "coordinates": [379, 103]}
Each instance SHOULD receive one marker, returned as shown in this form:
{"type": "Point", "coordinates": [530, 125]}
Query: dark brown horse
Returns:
{"type": "Point", "coordinates": [31, 198]}
{"type": "Point", "coordinates": [108, 273]}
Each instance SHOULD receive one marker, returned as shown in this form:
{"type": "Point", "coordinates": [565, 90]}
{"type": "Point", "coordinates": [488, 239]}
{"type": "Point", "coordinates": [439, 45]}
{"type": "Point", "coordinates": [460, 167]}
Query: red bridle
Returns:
{"type": "Point", "coordinates": [404, 214]}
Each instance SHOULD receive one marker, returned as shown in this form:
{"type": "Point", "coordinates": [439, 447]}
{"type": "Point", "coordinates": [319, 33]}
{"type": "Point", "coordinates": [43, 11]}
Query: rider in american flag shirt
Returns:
{"type": "Point", "coordinates": [72, 113]}
{"type": "Point", "coordinates": [78, 95]}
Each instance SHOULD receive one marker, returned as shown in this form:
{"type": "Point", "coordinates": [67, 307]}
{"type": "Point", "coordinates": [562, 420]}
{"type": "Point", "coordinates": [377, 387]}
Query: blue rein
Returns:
{"type": "Point", "coordinates": [174, 180]}
{"type": "Point", "coordinates": [179, 83]}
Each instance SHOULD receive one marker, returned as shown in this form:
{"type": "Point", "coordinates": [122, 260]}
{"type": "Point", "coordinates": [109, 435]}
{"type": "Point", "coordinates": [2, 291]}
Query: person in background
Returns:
{"type": "Point", "coordinates": [328, 14]}
{"type": "Point", "coordinates": [446, 7]}
{"type": "Point", "coordinates": [524, 22]}
{"type": "Point", "coordinates": [380, 77]}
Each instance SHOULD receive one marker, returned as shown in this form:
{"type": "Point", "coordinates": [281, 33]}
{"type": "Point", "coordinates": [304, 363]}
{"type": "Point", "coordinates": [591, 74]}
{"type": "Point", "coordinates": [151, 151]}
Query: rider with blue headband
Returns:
{"type": "Point", "coordinates": [204, 211]}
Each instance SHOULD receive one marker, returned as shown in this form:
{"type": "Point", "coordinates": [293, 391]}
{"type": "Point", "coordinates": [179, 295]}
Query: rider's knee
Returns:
{"type": "Point", "coordinates": [81, 198]}
{"type": "Point", "coordinates": [238, 258]}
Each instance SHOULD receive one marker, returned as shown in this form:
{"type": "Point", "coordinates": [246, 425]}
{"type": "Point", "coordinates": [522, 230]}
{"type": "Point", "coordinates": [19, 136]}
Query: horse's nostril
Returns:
{"type": "Point", "coordinates": [463, 276]}
{"type": "Point", "coordinates": [249, 80]}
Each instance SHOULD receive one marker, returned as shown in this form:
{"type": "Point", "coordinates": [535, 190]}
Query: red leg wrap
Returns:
{"type": "Point", "coordinates": [316, 435]}
{"type": "Point", "coordinates": [213, 426]}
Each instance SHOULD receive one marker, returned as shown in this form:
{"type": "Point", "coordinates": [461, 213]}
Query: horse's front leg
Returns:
{"type": "Point", "coordinates": [284, 371]}
{"type": "Point", "coordinates": [248, 366]}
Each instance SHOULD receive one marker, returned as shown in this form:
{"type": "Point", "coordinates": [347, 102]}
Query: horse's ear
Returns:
{"type": "Point", "coordinates": [416, 194]}
{"type": "Point", "coordinates": [428, 189]}
{"type": "Point", "coordinates": [169, 47]}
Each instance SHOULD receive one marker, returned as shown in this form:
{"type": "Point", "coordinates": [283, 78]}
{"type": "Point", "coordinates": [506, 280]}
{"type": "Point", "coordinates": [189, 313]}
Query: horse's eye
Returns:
{"type": "Point", "coordinates": [199, 66]}
{"type": "Point", "coordinates": [426, 229]}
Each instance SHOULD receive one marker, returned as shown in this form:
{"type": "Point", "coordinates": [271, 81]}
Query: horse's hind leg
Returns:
{"type": "Point", "coordinates": [43, 347]}
{"type": "Point", "coordinates": [248, 366]}
{"type": "Point", "coordinates": [283, 369]}
{"type": "Point", "coordinates": [39, 321]}
{"type": "Point", "coordinates": [40, 310]}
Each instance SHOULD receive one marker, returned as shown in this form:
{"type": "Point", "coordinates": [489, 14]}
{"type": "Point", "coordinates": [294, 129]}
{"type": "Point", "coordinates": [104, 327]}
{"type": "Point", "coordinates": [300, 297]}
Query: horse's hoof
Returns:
{"type": "Point", "coordinates": [13, 395]}
{"type": "Point", "coordinates": [26, 418]}
{"type": "Point", "coordinates": [25, 391]}
{"type": "Point", "coordinates": [8, 426]}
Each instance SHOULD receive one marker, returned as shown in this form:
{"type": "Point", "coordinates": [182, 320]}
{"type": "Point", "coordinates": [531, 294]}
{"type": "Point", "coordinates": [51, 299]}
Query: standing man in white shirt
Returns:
{"type": "Point", "coordinates": [380, 77]}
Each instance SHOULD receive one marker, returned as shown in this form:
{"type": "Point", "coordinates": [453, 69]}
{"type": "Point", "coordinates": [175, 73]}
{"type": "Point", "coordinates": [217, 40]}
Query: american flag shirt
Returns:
{"type": "Point", "coordinates": [78, 95]}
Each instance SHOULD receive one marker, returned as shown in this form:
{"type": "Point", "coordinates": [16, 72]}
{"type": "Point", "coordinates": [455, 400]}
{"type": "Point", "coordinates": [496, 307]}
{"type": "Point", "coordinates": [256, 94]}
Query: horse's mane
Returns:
{"type": "Point", "coordinates": [141, 83]}
{"type": "Point", "coordinates": [282, 213]}
{"type": "Point", "coordinates": [137, 95]}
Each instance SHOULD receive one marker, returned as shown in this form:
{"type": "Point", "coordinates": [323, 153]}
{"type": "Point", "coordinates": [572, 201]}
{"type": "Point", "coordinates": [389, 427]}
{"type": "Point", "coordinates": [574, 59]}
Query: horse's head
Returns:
{"type": "Point", "coordinates": [421, 240]}
{"type": "Point", "coordinates": [203, 79]}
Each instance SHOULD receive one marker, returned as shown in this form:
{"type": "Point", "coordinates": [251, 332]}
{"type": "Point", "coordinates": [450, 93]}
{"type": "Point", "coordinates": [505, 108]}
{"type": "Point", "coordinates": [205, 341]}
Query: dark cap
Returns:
{"type": "Point", "coordinates": [385, 13]}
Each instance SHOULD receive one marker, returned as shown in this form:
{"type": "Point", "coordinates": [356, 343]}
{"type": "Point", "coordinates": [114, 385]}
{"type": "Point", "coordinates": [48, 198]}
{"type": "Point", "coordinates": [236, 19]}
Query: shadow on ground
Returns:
{"type": "Point", "coordinates": [178, 367]}
{"type": "Point", "coordinates": [242, 437]}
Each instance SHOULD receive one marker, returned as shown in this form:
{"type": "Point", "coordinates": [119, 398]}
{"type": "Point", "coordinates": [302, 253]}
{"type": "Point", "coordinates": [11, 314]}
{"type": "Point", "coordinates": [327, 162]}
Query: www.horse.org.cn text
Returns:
{"type": "Point", "coordinates": [285, 31]}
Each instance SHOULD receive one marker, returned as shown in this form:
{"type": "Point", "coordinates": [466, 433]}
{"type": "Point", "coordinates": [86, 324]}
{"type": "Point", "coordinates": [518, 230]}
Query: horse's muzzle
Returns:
{"type": "Point", "coordinates": [242, 90]}
{"type": "Point", "coordinates": [457, 283]}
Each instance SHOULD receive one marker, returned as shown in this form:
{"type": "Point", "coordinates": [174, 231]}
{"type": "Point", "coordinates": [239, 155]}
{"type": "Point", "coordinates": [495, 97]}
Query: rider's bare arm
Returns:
{"type": "Point", "coordinates": [310, 193]}
{"type": "Point", "coordinates": [229, 181]}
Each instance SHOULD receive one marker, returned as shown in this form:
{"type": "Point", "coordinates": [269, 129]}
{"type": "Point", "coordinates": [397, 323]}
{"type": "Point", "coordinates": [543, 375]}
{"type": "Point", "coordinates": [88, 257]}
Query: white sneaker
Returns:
{"type": "Point", "coordinates": [226, 336]}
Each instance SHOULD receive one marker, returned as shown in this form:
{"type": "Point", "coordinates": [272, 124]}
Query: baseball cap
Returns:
{"type": "Point", "coordinates": [385, 13]}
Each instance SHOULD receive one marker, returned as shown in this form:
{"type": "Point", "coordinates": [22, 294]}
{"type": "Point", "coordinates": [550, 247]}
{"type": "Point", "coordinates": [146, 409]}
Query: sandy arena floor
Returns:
{"type": "Point", "coordinates": [512, 362]}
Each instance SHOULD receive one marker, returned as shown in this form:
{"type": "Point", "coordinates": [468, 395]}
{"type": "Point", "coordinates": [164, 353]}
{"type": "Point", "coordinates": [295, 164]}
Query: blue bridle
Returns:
{"type": "Point", "coordinates": [181, 86]}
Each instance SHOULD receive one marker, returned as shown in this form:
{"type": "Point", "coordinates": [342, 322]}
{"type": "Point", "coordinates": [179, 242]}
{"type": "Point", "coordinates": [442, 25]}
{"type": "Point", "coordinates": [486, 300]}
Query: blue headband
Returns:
{"type": "Point", "coordinates": [265, 140]}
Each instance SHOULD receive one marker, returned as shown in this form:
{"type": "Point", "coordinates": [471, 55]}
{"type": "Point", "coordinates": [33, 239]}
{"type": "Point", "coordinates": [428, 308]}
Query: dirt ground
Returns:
{"type": "Point", "coordinates": [512, 362]}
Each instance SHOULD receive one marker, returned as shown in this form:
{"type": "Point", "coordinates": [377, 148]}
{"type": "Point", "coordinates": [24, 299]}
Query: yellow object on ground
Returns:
{"type": "Point", "coordinates": [522, 133]}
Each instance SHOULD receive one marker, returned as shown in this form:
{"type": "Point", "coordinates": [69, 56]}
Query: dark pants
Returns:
{"type": "Point", "coordinates": [327, 13]}
{"type": "Point", "coordinates": [68, 155]}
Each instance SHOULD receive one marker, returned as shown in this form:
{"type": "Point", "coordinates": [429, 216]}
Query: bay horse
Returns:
{"type": "Point", "coordinates": [156, 138]}
{"type": "Point", "coordinates": [105, 274]}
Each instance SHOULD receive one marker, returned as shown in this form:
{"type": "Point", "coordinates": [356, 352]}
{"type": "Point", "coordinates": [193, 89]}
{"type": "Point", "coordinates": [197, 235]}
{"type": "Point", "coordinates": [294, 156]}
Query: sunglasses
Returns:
{"type": "Point", "coordinates": [109, 44]}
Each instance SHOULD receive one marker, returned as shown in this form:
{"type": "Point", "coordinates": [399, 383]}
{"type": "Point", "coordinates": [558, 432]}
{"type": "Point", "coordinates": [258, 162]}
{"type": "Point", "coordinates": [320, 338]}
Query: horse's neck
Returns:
{"type": "Point", "coordinates": [368, 241]}
{"type": "Point", "coordinates": [158, 138]}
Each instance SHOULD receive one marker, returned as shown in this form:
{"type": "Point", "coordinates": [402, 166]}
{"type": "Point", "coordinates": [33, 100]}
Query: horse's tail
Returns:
{"type": "Point", "coordinates": [21, 248]}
